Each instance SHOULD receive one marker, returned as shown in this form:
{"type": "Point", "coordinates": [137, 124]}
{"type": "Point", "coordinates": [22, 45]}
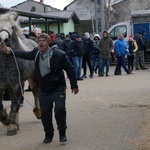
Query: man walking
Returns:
{"type": "Point", "coordinates": [121, 49]}
{"type": "Point", "coordinates": [77, 58]}
{"type": "Point", "coordinates": [87, 49]}
{"type": "Point", "coordinates": [67, 47]}
{"type": "Point", "coordinates": [50, 63]}
{"type": "Point", "coordinates": [105, 45]}
{"type": "Point", "coordinates": [139, 56]}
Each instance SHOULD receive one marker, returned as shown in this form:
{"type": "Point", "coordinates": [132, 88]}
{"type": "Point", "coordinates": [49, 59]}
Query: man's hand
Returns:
{"type": "Point", "coordinates": [75, 91]}
{"type": "Point", "coordinates": [5, 49]}
{"type": "Point", "coordinates": [127, 50]}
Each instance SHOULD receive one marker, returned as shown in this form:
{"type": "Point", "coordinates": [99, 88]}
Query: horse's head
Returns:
{"type": "Point", "coordinates": [8, 26]}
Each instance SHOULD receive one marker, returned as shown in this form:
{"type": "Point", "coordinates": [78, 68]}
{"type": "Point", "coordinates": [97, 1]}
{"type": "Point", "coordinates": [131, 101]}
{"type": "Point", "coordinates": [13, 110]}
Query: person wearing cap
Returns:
{"type": "Point", "coordinates": [67, 47]}
{"type": "Point", "coordinates": [132, 49]}
{"type": "Point", "coordinates": [144, 42]}
{"type": "Point", "coordinates": [139, 57]}
{"type": "Point", "coordinates": [33, 36]}
{"type": "Point", "coordinates": [77, 56]}
{"type": "Point", "coordinates": [50, 63]}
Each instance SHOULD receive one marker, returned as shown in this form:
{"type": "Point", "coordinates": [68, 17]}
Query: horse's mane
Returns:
{"type": "Point", "coordinates": [11, 17]}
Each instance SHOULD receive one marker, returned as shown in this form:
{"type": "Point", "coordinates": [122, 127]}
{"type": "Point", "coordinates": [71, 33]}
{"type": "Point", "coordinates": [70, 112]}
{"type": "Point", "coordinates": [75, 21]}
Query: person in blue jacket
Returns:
{"type": "Point", "coordinates": [121, 48]}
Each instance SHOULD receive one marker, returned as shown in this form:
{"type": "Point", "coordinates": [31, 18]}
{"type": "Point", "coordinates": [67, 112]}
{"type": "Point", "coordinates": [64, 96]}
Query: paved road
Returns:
{"type": "Point", "coordinates": [107, 114]}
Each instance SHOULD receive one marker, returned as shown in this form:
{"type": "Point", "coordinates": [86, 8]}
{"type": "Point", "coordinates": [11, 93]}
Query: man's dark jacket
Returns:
{"type": "Point", "coordinates": [59, 62]}
{"type": "Point", "coordinates": [78, 48]}
{"type": "Point", "coordinates": [67, 47]}
{"type": "Point", "coordinates": [87, 46]}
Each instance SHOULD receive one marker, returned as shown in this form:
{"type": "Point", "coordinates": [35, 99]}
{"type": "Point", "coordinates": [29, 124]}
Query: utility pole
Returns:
{"type": "Point", "coordinates": [102, 15]}
{"type": "Point", "coordinates": [96, 18]}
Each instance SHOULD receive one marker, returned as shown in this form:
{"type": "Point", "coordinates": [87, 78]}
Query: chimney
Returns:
{"type": "Point", "coordinates": [41, 1]}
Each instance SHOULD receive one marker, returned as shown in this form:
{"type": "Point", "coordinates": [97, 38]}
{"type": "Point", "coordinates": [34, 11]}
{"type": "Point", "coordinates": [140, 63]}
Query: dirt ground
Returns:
{"type": "Point", "coordinates": [109, 113]}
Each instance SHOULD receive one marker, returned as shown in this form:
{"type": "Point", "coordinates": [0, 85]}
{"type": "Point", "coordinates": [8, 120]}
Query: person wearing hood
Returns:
{"type": "Point", "coordinates": [50, 63]}
{"type": "Point", "coordinates": [87, 50]}
{"type": "Point", "coordinates": [96, 53]}
{"type": "Point", "coordinates": [62, 36]}
{"type": "Point", "coordinates": [105, 45]}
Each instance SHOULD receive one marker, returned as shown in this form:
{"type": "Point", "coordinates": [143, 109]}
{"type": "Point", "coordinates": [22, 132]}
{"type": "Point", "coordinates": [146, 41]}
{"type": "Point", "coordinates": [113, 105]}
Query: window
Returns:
{"type": "Point", "coordinates": [117, 30]}
{"type": "Point", "coordinates": [33, 9]}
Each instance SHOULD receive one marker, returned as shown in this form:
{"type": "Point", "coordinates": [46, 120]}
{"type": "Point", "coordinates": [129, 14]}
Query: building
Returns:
{"type": "Point", "coordinates": [34, 6]}
{"type": "Point", "coordinates": [123, 8]}
{"type": "Point", "coordinates": [61, 21]}
{"type": "Point", "coordinates": [85, 9]}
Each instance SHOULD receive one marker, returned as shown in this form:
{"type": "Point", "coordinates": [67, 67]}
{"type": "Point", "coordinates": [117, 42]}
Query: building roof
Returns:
{"type": "Point", "coordinates": [53, 15]}
{"type": "Point", "coordinates": [138, 13]}
{"type": "Point", "coordinates": [65, 14]}
{"type": "Point", "coordinates": [35, 2]}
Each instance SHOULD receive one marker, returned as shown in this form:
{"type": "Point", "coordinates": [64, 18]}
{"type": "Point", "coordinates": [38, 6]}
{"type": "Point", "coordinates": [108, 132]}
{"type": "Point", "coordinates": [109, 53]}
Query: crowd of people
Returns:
{"type": "Point", "coordinates": [72, 52]}
{"type": "Point", "coordinates": [83, 51]}
{"type": "Point", "coordinates": [134, 49]}
{"type": "Point", "coordinates": [96, 53]}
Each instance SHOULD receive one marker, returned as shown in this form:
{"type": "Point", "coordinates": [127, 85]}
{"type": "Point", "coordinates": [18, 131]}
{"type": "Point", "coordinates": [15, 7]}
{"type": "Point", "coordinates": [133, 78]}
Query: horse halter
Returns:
{"type": "Point", "coordinates": [9, 36]}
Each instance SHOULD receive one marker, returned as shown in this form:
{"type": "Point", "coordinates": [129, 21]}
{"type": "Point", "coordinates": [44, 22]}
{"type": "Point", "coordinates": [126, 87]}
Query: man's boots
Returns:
{"type": "Point", "coordinates": [62, 136]}
{"type": "Point", "coordinates": [48, 138]}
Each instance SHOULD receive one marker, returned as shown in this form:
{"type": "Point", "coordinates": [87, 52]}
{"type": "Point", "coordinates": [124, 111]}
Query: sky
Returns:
{"type": "Point", "coordinates": [60, 4]}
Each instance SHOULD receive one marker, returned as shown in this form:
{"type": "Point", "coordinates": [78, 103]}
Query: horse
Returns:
{"type": "Point", "coordinates": [15, 71]}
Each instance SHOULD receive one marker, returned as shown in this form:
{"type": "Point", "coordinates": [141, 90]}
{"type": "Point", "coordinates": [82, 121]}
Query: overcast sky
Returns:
{"type": "Point", "coordinates": [60, 4]}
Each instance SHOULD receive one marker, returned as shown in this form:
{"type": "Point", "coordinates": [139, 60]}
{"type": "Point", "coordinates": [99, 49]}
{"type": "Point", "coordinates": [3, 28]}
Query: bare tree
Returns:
{"type": "Point", "coordinates": [111, 7]}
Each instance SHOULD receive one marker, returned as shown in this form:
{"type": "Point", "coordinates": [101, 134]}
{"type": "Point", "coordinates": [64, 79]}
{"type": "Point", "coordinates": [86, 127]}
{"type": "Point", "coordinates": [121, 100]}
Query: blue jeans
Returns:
{"type": "Point", "coordinates": [121, 63]}
{"type": "Point", "coordinates": [77, 63]}
{"type": "Point", "coordinates": [94, 59]}
{"type": "Point", "coordinates": [102, 64]}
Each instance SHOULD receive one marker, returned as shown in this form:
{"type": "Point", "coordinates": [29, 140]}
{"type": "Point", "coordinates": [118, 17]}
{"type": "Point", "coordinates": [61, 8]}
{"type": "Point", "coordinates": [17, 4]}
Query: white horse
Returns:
{"type": "Point", "coordinates": [11, 77]}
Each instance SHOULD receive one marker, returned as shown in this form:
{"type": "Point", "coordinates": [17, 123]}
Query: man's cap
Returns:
{"type": "Point", "coordinates": [78, 36]}
{"type": "Point", "coordinates": [67, 35]}
{"type": "Point", "coordinates": [32, 34]}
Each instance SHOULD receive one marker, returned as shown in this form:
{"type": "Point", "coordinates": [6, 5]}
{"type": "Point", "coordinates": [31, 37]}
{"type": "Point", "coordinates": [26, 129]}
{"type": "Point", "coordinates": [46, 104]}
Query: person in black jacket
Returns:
{"type": "Point", "coordinates": [77, 58]}
{"type": "Point", "coordinates": [50, 63]}
{"type": "Point", "coordinates": [139, 56]}
{"type": "Point", "coordinates": [87, 49]}
{"type": "Point", "coordinates": [67, 47]}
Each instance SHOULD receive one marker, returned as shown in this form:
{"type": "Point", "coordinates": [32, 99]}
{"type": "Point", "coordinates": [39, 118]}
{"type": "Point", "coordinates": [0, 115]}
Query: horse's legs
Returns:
{"type": "Point", "coordinates": [3, 112]}
{"type": "Point", "coordinates": [13, 125]}
{"type": "Point", "coordinates": [35, 90]}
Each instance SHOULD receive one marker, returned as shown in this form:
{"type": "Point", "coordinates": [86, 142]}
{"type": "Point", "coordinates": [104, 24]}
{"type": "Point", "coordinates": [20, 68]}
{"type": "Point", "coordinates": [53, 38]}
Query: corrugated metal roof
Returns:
{"type": "Point", "coordinates": [60, 14]}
